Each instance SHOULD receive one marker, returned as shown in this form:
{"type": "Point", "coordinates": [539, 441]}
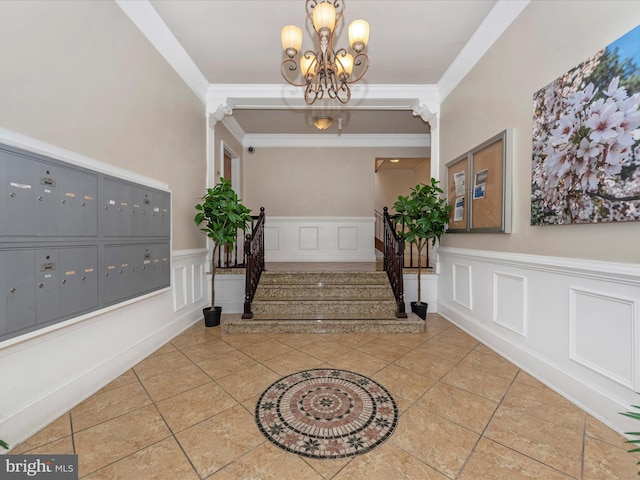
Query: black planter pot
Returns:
{"type": "Point", "coordinates": [212, 316]}
{"type": "Point", "coordinates": [420, 310]}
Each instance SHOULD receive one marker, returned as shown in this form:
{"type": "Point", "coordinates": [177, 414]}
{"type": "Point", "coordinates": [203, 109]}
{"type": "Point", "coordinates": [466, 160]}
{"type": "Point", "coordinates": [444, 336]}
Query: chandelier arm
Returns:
{"type": "Point", "coordinates": [288, 64]}
{"type": "Point", "coordinates": [339, 12]}
{"type": "Point", "coordinates": [358, 60]}
{"type": "Point", "coordinates": [309, 6]}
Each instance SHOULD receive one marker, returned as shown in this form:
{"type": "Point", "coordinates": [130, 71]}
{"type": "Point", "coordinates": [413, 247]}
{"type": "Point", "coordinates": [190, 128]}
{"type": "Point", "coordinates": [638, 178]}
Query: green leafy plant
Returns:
{"type": "Point", "coordinates": [425, 215]}
{"type": "Point", "coordinates": [223, 215]}
{"type": "Point", "coordinates": [4, 445]}
{"type": "Point", "coordinates": [635, 416]}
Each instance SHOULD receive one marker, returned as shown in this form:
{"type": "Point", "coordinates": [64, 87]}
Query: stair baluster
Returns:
{"type": "Point", "coordinates": [394, 261]}
{"type": "Point", "coordinates": [254, 262]}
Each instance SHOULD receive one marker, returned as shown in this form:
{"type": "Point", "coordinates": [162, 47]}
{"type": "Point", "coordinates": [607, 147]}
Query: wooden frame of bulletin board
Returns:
{"type": "Point", "coordinates": [479, 188]}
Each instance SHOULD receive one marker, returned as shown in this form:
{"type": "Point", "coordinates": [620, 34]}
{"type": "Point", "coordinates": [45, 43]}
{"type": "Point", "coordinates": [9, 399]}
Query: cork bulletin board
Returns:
{"type": "Point", "coordinates": [479, 188]}
{"type": "Point", "coordinates": [457, 180]}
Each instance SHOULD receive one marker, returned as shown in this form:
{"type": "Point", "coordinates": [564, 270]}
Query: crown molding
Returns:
{"type": "Point", "coordinates": [363, 97]}
{"type": "Point", "coordinates": [234, 128]}
{"type": "Point", "coordinates": [331, 140]}
{"type": "Point", "coordinates": [503, 13]}
{"type": "Point", "coordinates": [149, 22]}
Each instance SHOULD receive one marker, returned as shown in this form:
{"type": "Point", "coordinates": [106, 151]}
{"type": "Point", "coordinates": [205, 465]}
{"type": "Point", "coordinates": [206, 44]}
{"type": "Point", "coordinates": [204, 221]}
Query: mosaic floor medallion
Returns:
{"type": "Point", "coordinates": [325, 413]}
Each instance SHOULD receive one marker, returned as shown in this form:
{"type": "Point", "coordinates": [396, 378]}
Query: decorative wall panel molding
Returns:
{"type": "Point", "coordinates": [510, 302]}
{"type": "Point", "coordinates": [462, 286]}
{"type": "Point", "coordinates": [603, 334]}
{"type": "Point", "coordinates": [347, 238]}
{"type": "Point", "coordinates": [189, 276]}
{"type": "Point", "coordinates": [199, 272]}
{"type": "Point", "coordinates": [320, 239]}
{"type": "Point", "coordinates": [571, 323]}
{"type": "Point", "coordinates": [180, 288]}
{"type": "Point", "coordinates": [308, 238]}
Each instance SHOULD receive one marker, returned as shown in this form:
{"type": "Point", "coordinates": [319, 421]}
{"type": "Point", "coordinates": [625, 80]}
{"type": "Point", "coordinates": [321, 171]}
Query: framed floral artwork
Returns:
{"type": "Point", "coordinates": [586, 140]}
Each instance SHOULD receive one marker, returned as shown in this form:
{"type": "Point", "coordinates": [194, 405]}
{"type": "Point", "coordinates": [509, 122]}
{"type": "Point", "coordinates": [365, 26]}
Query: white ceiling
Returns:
{"type": "Point", "coordinates": [412, 42]}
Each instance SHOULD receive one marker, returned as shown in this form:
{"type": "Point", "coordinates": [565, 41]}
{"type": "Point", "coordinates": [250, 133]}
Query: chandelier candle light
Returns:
{"type": "Point", "coordinates": [326, 70]}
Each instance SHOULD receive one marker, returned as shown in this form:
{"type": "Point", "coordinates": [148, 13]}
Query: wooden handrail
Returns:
{"type": "Point", "coordinates": [254, 262]}
{"type": "Point", "coordinates": [394, 261]}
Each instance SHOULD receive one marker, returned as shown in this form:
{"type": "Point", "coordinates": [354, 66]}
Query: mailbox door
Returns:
{"type": "Point", "coordinates": [21, 285]}
{"type": "Point", "coordinates": [116, 209]}
{"type": "Point", "coordinates": [79, 284]}
{"type": "Point", "coordinates": [78, 203]}
{"type": "Point", "coordinates": [114, 275]}
{"type": "Point", "coordinates": [4, 293]}
{"type": "Point", "coordinates": [166, 214]}
{"type": "Point", "coordinates": [47, 285]}
{"type": "Point", "coordinates": [21, 179]}
{"type": "Point", "coordinates": [141, 211]}
{"type": "Point", "coordinates": [46, 193]}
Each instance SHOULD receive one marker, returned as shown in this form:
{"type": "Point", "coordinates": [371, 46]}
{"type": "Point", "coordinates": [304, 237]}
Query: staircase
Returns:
{"type": "Point", "coordinates": [324, 302]}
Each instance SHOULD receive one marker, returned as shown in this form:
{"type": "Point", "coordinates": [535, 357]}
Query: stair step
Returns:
{"type": "Point", "coordinates": [322, 278]}
{"type": "Point", "coordinates": [314, 309]}
{"type": "Point", "coordinates": [412, 324]}
{"type": "Point", "coordinates": [323, 292]}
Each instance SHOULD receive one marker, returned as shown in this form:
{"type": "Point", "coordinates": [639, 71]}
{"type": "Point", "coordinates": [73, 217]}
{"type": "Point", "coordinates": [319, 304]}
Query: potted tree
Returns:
{"type": "Point", "coordinates": [425, 215]}
{"type": "Point", "coordinates": [223, 215]}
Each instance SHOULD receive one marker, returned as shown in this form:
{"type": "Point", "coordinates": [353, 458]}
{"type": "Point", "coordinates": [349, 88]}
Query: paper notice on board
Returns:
{"type": "Point", "coordinates": [458, 211]}
{"type": "Point", "coordinates": [459, 181]}
{"type": "Point", "coordinates": [480, 184]}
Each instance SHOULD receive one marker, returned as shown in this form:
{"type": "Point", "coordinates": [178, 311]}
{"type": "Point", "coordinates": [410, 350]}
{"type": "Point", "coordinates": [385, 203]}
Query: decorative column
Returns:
{"type": "Point", "coordinates": [217, 110]}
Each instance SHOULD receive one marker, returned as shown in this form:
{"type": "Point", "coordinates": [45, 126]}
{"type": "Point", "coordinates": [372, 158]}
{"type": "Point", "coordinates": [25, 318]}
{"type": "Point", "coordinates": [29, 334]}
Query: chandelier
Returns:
{"type": "Point", "coordinates": [326, 70]}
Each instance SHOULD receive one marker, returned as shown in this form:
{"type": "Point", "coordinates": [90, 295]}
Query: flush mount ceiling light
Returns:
{"type": "Point", "coordinates": [326, 70]}
{"type": "Point", "coordinates": [322, 122]}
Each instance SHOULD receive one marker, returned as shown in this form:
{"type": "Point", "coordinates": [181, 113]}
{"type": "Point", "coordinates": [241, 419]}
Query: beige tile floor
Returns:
{"type": "Point", "coordinates": [186, 412]}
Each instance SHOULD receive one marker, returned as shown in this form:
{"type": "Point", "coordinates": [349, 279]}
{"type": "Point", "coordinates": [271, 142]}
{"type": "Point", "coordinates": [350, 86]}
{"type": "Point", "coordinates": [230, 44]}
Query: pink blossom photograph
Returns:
{"type": "Point", "coordinates": [586, 140]}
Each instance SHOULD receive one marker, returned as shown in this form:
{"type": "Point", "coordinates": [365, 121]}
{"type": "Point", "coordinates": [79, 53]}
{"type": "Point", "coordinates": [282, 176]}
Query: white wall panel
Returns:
{"type": "Point", "coordinates": [462, 293]}
{"type": "Point", "coordinates": [602, 334]}
{"type": "Point", "coordinates": [510, 302]}
{"type": "Point", "coordinates": [320, 239]}
{"type": "Point", "coordinates": [308, 238]}
{"type": "Point", "coordinates": [571, 323]}
{"type": "Point", "coordinates": [180, 288]}
{"type": "Point", "coordinates": [198, 280]}
{"type": "Point", "coordinates": [347, 238]}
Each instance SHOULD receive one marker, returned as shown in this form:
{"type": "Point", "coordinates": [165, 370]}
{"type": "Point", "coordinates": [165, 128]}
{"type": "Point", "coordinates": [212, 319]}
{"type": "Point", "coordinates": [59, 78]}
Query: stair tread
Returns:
{"type": "Point", "coordinates": [411, 324]}
{"type": "Point", "coordinates": [313, 301]}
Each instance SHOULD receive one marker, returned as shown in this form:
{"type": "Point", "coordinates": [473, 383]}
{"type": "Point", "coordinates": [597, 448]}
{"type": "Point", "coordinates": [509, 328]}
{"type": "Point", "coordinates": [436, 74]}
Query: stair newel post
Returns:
{"type": "Point", "coordinates": [248, 261]}
{"type": "Point", "coordinates": [385, 215]}
{"type": "Point", "coordinates": [400, 296]}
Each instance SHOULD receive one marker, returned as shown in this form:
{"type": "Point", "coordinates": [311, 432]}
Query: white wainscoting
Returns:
{"type": "Point", "coordinates": [46, 373]}
{"type": "Point", "coordinates": [573, 324]}
{"type": "Point", "coordinates": [319, 239]}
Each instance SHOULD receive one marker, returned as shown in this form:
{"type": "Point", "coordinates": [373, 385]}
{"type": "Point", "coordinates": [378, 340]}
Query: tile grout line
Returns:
{"type": "Point", "coordinates": [172, 433]}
